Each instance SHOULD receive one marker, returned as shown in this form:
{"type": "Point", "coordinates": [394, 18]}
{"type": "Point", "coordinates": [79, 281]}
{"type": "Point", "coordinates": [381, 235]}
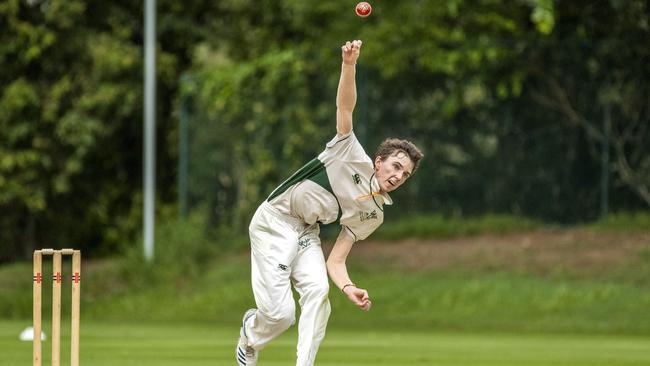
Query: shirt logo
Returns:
{"type": "Point", "coordinates": [356, 178]}
{"type": "Point", "coordinates": [363, 216]}
{"type": "Point", "coordinates": [282, 267]}
{"type": "Point", "coordinates": [304, 243]}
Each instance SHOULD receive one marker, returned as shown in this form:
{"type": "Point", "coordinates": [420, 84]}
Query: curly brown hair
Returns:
{"type": "Point", "coordinates": [392, 146]}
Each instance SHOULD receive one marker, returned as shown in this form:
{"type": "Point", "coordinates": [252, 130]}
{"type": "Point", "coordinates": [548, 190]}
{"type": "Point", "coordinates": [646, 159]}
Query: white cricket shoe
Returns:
{"type": "Point", "coordinates": [244, 354]}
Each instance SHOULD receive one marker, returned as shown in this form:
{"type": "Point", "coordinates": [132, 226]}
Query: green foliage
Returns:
{"type": "Point", "coordinates": [15, 297]}
{"type": "Point", "coordinates": [462, 79]}
{"type": "Point", "coordinates": [250, 131]}
{"type": "Point", "coordinates": [506, 98]}
{"type": "Point", "coordinates": [185, 248]}
{"type": "Point", "coordinates": [58, 115]}
{"type": "Point", "coordinates": [70, 155]}
{"type": "Point", "coordinates": [626, 222]}
{"type": "Point", "coordinates": [438, 226]}
{"type": "Point", "coordinates": [543, 15]}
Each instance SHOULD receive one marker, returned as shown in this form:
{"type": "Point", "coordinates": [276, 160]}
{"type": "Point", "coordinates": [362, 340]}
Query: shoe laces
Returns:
{"type": "Point", "coordinates": [250, 351]}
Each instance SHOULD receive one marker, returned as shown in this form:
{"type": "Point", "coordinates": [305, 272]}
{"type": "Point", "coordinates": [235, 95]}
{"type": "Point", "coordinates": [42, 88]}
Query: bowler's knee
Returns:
{"type": "Point", "coordinates": [282, 317]}
{"type": "Point", "coordinates": [316, 293]}
{"type": "Point", "coordinates": [320, 291]}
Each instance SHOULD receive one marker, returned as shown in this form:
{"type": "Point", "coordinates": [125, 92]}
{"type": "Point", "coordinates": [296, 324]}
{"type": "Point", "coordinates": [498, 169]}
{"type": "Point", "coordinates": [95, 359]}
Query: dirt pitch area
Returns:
{"type": "Point", "coordinates": [577, 252]}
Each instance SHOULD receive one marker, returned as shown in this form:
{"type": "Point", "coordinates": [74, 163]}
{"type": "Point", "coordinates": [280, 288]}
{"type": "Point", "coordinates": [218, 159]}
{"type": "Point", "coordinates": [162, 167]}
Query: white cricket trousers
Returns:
{"type": "Point", "coordinates": [285, 250]}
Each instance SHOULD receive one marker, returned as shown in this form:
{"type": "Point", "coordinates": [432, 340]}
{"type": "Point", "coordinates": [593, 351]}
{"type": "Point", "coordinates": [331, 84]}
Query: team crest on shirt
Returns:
{"type": "Point", "coordinates": [356, 178]}
{"type": "Point", "coordinates": [363, 216]}
{"type": "Point", "coordinates": [304, 243]}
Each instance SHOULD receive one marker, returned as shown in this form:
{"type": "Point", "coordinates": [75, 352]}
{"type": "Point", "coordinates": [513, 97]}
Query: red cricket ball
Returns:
{"type": "Point", "coordinates": [363, 9]}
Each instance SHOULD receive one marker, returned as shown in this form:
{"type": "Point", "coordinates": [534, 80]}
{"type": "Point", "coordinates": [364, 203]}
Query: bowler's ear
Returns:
{"type": "Point", "coordinates": [378, 162]}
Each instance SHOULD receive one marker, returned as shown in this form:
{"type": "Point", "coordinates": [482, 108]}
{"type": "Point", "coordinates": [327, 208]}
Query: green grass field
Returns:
{"type": "Point", "coordinates": [540, 297]}
{"type": "Point", "coordinates": [104, 344]}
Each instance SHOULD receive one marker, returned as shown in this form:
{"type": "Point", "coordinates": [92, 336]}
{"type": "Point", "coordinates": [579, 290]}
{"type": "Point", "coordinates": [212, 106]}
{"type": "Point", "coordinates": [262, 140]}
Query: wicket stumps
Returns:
{"type": "Point", "coordinates": [56, 304]}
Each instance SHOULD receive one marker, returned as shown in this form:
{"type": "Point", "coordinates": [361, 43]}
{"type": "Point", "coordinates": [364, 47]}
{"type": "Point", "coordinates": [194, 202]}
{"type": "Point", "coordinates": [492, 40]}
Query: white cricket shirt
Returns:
{"type": "Point", "coordinates": [339, 184]}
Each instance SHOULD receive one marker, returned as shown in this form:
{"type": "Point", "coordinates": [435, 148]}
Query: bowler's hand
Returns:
{"type": "Point", "coordinates": [350, 51]}
{"type": "Point", "coordinates": [359, 297]}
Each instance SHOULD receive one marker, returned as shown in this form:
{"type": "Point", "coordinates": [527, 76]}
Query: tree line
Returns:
{"type": "Point", "coordinates": [529, 107]}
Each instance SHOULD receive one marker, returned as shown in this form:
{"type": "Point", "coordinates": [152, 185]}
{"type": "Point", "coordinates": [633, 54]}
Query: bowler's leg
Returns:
{"type": "Point", "coordinates": [310, 280]}
{"type": "Point", "coordinates": [275, 304]}
{"type": "Point", "coordinates": [273, 248]}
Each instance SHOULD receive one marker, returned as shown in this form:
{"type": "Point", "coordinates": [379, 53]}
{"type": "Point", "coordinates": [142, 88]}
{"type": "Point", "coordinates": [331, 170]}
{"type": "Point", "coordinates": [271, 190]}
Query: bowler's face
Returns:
{"type": "Point", "coordinates": [394, 171]}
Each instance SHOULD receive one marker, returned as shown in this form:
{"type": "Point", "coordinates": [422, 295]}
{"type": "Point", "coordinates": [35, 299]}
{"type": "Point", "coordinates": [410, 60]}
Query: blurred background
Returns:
{"type": "Point", "coordinates": [530, 211]}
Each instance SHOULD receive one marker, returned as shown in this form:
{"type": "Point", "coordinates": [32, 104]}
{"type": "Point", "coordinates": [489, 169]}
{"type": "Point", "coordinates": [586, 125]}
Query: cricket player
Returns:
{"type": "Point", "coordinates": [342, 184]}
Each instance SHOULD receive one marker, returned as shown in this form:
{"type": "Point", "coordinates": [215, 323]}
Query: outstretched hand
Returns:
{"type": "Point", "coordinates": [359, 297]}
{"type": "Point", "coordinates": [350, 51]}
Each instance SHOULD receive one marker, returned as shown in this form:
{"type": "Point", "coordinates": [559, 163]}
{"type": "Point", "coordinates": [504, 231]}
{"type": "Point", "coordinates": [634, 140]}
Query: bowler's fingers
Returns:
{"type": "Point", "coordinates": [355, 297]}
{"type": "Point", "coordinates": [366, 305]}
{"type": "Point", "coordinates": [365, 302]}
{"type": "Point", "coordinates": [360, 298]}
{"type": "Point", "coordinates": [351, 46]}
